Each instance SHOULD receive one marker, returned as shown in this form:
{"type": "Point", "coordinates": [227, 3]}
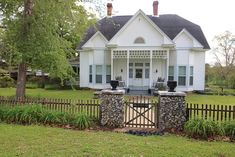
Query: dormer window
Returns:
{"type": "Point", "coordinates": [139, 40]}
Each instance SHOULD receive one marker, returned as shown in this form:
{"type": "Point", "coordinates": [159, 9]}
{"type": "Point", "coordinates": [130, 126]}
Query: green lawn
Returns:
{"type": "Point", "coordinates": [60, 94]}
{"type": "Point", "coordinates": [44, 141]}
{"type": "Point", "coordinates": [210, 99]}
{"type": "Point", "coordinates": [88, 94]}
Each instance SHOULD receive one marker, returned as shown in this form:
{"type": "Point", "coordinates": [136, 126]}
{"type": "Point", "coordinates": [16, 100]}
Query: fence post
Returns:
{"type": "Point", "coordinates": [172, 111]}
{"type": "Point", "coordinates": [112, 108]}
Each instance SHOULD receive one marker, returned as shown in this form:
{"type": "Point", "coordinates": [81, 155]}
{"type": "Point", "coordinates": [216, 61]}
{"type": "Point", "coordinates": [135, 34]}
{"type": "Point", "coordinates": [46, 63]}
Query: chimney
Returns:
{"type": "Point", "coordinates": [109, 9]}
{"type": "Point", "coordinates": [155, 8]}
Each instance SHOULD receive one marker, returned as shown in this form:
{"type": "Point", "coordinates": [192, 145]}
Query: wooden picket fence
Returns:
{"type": "Point", "coordinates": [140, 112]}
{"type": "Point", "coordinates": [212, 112]}
{"type": "Point", "coordinates": [89, 107]}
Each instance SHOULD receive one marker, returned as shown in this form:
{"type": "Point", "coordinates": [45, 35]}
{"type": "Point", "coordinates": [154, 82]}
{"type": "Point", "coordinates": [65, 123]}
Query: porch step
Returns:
{"type": "Point", "coordinates": [138, 92]}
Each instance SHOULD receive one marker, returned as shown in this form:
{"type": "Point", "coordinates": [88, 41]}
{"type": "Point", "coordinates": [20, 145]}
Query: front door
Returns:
{"type": "Point", "coordinates": [138, 77]}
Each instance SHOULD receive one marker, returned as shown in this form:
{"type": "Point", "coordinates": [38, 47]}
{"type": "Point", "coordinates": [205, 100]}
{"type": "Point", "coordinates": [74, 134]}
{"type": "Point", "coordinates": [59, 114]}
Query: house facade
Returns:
{"type": "Point", "coordinates": [141, 50]}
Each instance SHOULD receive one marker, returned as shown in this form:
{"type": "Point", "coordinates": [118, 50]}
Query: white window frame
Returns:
{"type": "Point", "coordinates": [180, 75]}
{"type": "Point", "coordinates": [90, 74]}
{"type": "Point", "coordinates": [98, 74]}
{"type": "Point", "coordinates": [191, 75]}
{"type": "Point", "coordinates": [108, 73]}
{"type": "Point", "coordinates": [169, 75]}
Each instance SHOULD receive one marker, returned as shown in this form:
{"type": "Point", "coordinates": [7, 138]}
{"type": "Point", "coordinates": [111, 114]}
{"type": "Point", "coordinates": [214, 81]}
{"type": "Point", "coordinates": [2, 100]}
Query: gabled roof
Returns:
{"type": "Point", "coordinates": [170, 24]}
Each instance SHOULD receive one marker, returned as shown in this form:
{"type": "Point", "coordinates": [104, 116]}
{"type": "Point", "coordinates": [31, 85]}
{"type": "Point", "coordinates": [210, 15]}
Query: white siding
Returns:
{"type": "Point", "coordinates": [97, 41]}
{"type": "Point", "coordinates": [140, 27]}
{"type": "Point", "coordinates": [120, 64]}
{"type": "Point", "coordinates": [172, 58]}
{"type": "Point", "coordinates": [184, 41]}
{"type": "Point", "coordinates": [84, 69]}
{"type": "Point", "coordinates": [199, 71]}
{"type": "Point", "coordinates": [159, 65]}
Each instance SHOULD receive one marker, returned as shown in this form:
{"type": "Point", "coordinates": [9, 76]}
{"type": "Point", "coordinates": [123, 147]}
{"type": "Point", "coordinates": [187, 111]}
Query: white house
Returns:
{"type": "Point", "coordinates": [143, 49]}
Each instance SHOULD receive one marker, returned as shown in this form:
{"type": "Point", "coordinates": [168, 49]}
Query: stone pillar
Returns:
{"type": "Point", "coordinates": [112, 108]}
{"type": "Point", "coordinates": [171, 111]}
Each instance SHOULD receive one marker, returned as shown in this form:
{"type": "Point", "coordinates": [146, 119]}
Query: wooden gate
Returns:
{"type": "Point", "coordinates": [140, 112]}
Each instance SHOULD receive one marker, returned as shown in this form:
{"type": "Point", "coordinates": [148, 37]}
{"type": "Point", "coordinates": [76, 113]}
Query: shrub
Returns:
{"type": "Point", "coordinates": [36, 114]}
{"type": "Point", "coordinates": [6, 81]}
{"type": "Point", "coordinates": [200, 128]}
{"type": "Point", "coordinates": [229, 129]}
{"type": "Point", "coordinates": [82, 121]}
{"type": "Point", "coordinates": [31, 85]}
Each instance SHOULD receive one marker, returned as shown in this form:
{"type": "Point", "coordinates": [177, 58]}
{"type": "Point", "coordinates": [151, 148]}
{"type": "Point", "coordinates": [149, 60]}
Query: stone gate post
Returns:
{"type": "Point", "coordinates": [112, 108]}
{"type": "Point", "coordinates": [171, 110]}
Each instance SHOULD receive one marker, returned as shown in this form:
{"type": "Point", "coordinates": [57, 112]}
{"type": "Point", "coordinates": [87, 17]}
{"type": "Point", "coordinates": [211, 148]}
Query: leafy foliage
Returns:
{"type": "Point", "coordinates": [6, 81]}
{"type": "Point", "coordinates": [229, 129]}
{"type": "Point", "coordinates": [200, 128]}
{"type": "Point", "coordinates": [54, 29]}
{"type": "Point", "coordinates": [82, 121]}
{"type": "Point", "coordinates": [36, 114]}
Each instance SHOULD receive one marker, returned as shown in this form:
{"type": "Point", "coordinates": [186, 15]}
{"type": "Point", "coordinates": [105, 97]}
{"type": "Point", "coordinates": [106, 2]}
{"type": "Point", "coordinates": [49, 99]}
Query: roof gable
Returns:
{"type": "Point", "coordinates": [195, 42]}
{"type": "Point", "coordinates": [170, 24]}
{"type": "Point", "coordinates": [167, 40]}
{"type": "Point", "coordinates": [97, 40]}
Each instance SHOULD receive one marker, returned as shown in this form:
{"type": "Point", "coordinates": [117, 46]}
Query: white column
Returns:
{"type": "Point", "coordinates": [111, 64]}
{"type": "Point", "coordinates": [127, 70]}
{"type": "Point", "coordinates": [167, 65]}
{"type": "Point", "coordinates": [151, 69]}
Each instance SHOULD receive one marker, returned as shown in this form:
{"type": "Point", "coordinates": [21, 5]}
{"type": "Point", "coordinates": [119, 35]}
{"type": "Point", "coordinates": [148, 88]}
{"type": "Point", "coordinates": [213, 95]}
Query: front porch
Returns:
{"type": "Point", "coordinates": [140, 69]}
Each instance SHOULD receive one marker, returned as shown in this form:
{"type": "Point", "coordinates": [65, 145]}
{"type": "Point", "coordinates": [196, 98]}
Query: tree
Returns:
{"type": "Point", "coordinates": [225, 54]}
{"type": "Point", "coordinates": [42, 35]}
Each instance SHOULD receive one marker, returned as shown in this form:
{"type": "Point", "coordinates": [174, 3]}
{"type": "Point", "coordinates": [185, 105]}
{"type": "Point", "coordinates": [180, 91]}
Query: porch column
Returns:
{"type": "Point", "coordinates": [127, 70]}
{"type": "Point", "coordinates": [151, 69]}
{"type": "Point", "coordinates": [167, 65]}
{"type": "Point", "coordinates": [111, 64]}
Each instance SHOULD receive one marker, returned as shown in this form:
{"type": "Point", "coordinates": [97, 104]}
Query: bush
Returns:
{"type": "Point", "coordinates": [229, 129]}
{"type": "Point", "coordinates": [32, 85]}
{"type": "Point", "coordinates": [82, 121]}
{"type": "Point", "coordinates": [36, 114]}
{"type": "Point", "coordinates": [199, 128]}
{"type": "Point", "coordinates": [6, 81]}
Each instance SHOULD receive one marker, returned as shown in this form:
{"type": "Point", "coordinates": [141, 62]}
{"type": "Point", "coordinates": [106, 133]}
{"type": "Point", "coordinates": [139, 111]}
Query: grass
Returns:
{"type": "Point", "coordinates": [88, 94]}
{"type": "Point", "coordinates": [210, 99]}
{"type": "Point", "coordinates": [44, 141]}
{"type": "Point", "coordinates": [59, 94]}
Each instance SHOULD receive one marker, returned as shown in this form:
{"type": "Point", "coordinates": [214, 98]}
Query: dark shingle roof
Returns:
{"type": "Point", "coordinates": [170, 24]}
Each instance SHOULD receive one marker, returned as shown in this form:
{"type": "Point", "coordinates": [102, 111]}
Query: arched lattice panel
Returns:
{"type": "Point", "coordinates": [139, 40]}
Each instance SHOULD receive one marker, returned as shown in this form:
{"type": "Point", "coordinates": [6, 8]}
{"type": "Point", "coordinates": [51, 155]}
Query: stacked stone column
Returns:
{"type": "Point", "coordinates": [112, 108]}
{"type": "Point", "coordinates": [171, 111]}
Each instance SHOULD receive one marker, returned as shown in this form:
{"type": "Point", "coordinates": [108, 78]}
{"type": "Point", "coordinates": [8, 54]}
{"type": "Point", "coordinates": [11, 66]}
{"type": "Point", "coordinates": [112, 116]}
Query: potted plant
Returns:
{"type": "Point", "coordinates": [114, 84]}
{"type": "Point", "coordinates": [171, 85]}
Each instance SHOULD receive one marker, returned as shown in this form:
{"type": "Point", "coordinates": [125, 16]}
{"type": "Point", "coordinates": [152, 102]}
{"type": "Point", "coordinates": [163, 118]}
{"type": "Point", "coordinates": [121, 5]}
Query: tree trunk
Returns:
{"type": "Point", "coordinates": [21, 81]}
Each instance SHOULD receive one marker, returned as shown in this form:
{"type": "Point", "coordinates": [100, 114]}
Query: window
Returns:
{"type": "Point", "coordinates": [182, 76]}
{"type": "Point", "coordinates": [139, 40]}
{"type": "Point", "coordinates": [138, 73]}
{"type": "Point", "coordinates": [108, 73]}
{"type": "Point", "coordinates": [138, 64]}
{"type": "Point", "coordinates": [131, 64]}
{"type": "Point", "coordinates": [171, 73]}
{"type": "Point", "coordinates": [98, 74]}
{"type": "Point", "coordinates": [90, 73]}
{"type": "Point", "coordinates": [130, 73]}
{"type": "Point", "coordinates": [147, 64]}
{"type": "Point", "coordinates": [191, 76]}
{"type": "Point", "coordinates": [147, 73]}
